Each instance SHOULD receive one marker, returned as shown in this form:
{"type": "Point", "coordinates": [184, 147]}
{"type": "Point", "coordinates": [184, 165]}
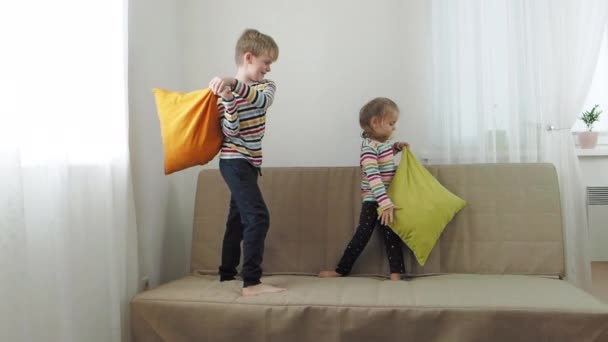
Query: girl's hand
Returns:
{"type": "Point", "coordinates": [400, 145]}
{"type": "Point", "coordinates": [387, 216]}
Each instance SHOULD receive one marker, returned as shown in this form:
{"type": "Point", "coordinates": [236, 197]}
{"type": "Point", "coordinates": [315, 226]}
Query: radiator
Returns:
{"type": "Point", "coordinates": [597, 212]}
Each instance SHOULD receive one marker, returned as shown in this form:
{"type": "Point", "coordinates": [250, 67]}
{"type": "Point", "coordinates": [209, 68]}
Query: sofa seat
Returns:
{"type": "Point", "coordinates": [454, 307]}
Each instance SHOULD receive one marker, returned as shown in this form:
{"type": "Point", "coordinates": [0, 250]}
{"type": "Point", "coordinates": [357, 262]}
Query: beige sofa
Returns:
{"type": "Point", "coordinates": [495, 274]}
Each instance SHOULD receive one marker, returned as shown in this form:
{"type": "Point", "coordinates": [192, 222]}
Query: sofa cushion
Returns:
{"type": "Point", "coordinates": [511, 225]}
{"type": "Point", "coordinates": [457, 307]}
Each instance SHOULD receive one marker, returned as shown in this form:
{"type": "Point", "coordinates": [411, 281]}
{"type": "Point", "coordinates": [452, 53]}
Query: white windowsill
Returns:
{"type": "Point", "coordinates": [598, 151]}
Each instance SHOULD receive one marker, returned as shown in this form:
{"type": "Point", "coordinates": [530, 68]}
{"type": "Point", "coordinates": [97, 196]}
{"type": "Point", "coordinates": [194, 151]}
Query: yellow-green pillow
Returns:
{"type": "Point", "coordinates": [426, 206]}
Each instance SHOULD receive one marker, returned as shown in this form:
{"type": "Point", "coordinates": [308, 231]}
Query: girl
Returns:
{"type": "Point", "coordinates": [377, 119]}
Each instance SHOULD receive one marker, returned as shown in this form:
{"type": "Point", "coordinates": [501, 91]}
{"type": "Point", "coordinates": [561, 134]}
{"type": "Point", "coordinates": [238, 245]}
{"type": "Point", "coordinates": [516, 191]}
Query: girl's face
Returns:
{"type": "Point", "coordinates": [384, 127]}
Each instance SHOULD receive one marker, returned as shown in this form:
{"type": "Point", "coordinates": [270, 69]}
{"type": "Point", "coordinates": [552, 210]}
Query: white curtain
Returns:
{"type": "Point", "coordinates": [68, 251]}
{"type": "Point", "coordinates": [505, 70]}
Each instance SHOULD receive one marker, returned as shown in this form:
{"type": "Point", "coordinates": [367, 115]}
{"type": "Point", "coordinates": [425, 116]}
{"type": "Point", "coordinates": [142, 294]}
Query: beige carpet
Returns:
{"type": "Point", "coordinates": [599, 274]}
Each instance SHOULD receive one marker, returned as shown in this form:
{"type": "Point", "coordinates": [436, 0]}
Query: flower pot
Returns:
{"type": "Point", "coordinates": [587, 139]}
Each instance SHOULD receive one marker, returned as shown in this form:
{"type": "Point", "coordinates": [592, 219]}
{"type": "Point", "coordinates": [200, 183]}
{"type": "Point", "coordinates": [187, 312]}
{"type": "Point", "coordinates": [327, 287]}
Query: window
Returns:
{"type": "Point", "coordinates": [598, 93]}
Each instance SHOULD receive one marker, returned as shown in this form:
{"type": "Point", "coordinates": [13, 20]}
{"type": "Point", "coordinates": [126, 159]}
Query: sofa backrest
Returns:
{"type": "Point", "coordinates": [511, 225]}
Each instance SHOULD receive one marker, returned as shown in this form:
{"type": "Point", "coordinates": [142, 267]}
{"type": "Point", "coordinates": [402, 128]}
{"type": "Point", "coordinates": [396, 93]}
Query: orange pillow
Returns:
{"type": "Point", "coordinates": [190, 127]}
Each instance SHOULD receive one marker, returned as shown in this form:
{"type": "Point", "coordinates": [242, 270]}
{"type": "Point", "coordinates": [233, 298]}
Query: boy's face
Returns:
{"type": "Point", "coordinates": [257, 66]}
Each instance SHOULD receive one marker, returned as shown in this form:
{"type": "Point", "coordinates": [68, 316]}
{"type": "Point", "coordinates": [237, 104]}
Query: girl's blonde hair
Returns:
{"type": "Point", "coordinates": [257, 43]}
{"type": "Point", "coordinates": [378, 107]}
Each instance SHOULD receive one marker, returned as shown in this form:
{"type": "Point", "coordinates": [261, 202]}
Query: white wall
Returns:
{"type": "Point", "coordinates": [334, 56]}
{"type": "Point", "coordinates": [154, 61]}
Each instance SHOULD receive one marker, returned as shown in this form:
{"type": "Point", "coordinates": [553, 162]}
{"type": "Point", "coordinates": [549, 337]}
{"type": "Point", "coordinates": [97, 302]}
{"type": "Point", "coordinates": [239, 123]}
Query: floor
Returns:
{"type": "Point", "coordinates": [599, 274]}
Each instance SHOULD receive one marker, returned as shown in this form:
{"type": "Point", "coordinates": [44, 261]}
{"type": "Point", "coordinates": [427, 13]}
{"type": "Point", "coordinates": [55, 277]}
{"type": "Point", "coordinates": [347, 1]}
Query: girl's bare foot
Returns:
{"type": "Point", "coordinates": [261, 289]}
{"type": "Point", "coordinates": [329, 274]}
{"type": "Point", "coordinates": [395, 276]}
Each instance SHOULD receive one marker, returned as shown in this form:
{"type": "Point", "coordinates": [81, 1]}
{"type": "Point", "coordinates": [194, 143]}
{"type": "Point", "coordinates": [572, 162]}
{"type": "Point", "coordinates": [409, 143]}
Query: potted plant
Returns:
{"type": "Point", "coordinates": [588, 139]}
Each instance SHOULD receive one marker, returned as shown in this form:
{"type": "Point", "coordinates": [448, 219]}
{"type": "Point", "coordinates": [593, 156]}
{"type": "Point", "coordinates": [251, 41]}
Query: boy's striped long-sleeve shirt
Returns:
{"type": "Point", "coordinates": [378, 165]}
{"type": "Point", "coordinates": [243, 120]}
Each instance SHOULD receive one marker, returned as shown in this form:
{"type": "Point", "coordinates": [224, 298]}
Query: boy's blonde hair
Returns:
{"type": "Point", "coordinates": [378, 107]}
{"type": "Point", "coordinates": [257, 43]}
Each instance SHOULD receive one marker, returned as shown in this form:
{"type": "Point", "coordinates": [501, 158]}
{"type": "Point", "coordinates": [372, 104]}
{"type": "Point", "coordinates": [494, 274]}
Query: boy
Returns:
{"type": "Point", "coordinates": [243, 104]}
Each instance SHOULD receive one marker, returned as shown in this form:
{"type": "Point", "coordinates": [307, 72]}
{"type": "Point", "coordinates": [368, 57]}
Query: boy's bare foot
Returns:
{"type": "Point", "coordinates": [395, 276]}
{"type": "Point", "coordinates": [261, 289]}
{"type": "Point", "coordinates": [329, 274]}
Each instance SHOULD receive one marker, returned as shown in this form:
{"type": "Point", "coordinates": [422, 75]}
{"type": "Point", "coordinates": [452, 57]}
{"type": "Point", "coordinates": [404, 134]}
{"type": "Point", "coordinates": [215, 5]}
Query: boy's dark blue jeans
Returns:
{"type": "Point", "coordinates": [248, 221]}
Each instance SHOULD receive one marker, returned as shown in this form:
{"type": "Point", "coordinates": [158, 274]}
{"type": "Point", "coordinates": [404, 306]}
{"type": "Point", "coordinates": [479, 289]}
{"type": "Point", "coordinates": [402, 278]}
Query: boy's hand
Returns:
{"type": "Point", "coordinates": [221, 87]}
{"type": "Point", "coordinates": [400, 145]}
